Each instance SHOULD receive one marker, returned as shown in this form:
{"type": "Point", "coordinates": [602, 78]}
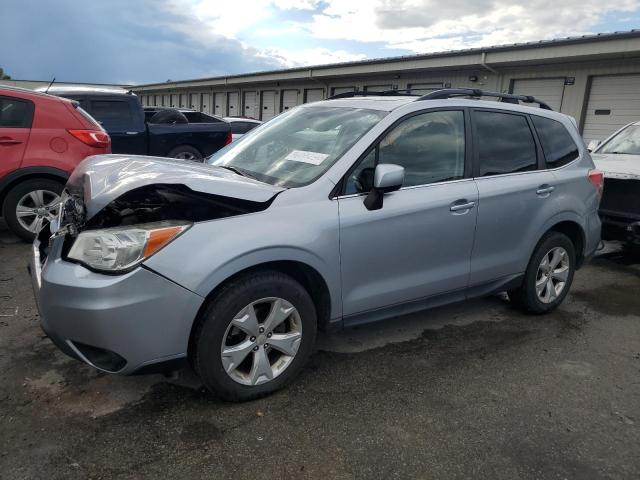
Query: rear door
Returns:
{"type": "Point", "coordinates": [122, 120]}
{"type": "Point", "coordinates": [513, 190]}
{"type": "Point", "coordinates": [16, 117]}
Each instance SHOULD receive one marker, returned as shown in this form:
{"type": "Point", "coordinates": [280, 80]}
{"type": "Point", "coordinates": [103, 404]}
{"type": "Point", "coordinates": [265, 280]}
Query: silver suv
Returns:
{"type": "Point", "coordinates": [332, 214]}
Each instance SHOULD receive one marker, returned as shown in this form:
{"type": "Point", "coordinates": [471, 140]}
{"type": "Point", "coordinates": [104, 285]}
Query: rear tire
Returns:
{"type": "Point", "coordinates": [37, 195]}
{"type": "Point", "coordinates": [186, 152]}
{"type": "Point", "coordinates": [240, 379]}
{"type": "Point", "coordinates": [546, 283]}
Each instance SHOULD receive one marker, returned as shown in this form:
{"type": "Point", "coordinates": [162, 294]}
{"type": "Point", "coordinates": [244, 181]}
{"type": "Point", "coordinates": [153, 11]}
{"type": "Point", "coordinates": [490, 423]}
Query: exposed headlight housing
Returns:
{"type": "Point", "coordinates": [119, 249]}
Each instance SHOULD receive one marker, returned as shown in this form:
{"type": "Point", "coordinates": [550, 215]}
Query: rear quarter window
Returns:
{"type": "Point", "coordinates": [557, 144]}
{"type": "Point", "coordinates": [112, 114]}
{"type": "Point", "coordinates": [15, 113]}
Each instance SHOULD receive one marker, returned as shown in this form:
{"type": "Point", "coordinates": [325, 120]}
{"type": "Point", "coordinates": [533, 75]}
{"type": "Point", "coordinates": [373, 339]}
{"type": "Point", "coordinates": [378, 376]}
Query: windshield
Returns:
{"type": "Point", "coordinates": [298, 146]}
{"type": "Point", "coordinates": [626, 142]}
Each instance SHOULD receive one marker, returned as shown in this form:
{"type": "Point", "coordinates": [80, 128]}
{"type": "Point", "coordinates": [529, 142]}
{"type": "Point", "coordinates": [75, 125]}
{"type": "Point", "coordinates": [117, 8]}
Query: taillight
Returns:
{"type": "Point", "coordinates": [93, 138]}
{"type": "Point", "coordinates": [596, 177]}
{"type": "Point", "coordinates": [229, 138]}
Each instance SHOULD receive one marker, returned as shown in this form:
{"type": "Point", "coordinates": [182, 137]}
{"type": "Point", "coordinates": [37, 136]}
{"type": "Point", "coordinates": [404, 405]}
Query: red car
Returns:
{"type": "Point", "coordinates": [42, 139]}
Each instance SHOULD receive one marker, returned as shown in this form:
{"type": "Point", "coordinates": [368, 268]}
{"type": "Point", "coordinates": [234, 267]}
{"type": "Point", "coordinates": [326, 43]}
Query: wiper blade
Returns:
{"type": "Point", "coordinates": [235, 170]}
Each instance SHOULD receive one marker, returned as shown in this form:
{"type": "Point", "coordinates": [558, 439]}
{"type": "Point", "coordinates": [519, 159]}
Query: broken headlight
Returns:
{"type": "Point", "coordinates": [121, 248]}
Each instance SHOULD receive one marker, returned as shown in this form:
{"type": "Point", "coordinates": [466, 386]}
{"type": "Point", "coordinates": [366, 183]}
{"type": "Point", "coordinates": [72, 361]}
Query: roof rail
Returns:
{"type": "Point", "coordinates": [475, 92]}
{"type": "Point", "coordinates": [367, 93]}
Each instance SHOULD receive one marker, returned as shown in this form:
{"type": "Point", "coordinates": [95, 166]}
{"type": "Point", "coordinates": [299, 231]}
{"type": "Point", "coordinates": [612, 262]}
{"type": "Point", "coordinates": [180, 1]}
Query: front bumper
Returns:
{"type": "Point", "coordinates": [115, 323]}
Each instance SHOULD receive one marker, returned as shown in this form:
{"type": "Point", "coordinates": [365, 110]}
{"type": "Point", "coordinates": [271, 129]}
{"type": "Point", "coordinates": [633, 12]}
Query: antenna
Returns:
{"type": "Point", "coordinates": [49, 86]}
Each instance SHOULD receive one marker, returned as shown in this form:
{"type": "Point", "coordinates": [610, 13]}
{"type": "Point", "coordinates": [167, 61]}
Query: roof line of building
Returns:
{"type": "Point", "coordinates": [422, 56]}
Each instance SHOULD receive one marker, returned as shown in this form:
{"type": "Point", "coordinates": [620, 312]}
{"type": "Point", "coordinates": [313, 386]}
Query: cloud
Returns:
{"type": "Point", "coordinates": [430, 25]}
{"type": "Point", "coordinates": [312, 56]}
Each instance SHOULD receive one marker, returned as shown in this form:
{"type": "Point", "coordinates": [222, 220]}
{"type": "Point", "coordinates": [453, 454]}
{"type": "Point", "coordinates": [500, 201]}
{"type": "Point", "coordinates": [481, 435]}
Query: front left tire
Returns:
{"type": "Point", "coordinates": [254, 336]}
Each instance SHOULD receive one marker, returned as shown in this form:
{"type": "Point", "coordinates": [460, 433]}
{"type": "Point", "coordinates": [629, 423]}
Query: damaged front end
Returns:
{"type": "Point", "coordinates": [113, 227]}
{"type": "Point", "coordinates": [620, 209]}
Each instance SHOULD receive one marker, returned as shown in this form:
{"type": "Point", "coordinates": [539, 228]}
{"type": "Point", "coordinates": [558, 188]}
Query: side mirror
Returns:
{"type": "Point", "coordinates": [593, 144]}
{"type": "Point", "coordinates": [387, 178]}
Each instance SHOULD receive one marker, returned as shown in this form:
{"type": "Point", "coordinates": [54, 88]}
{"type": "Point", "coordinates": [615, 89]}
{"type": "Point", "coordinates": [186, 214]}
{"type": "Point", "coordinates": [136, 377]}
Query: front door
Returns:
{"type": "Point", "coordinates": [419, 243]}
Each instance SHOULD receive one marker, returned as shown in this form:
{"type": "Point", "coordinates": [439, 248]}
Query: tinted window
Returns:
{"type": "Point", "coordinates": [430, 147]}
{"type": "Point", "coordinates": [15, 113]}
{"type": "Point", "coordinates": [112, 113]}
{"type": "Point", "coordinates": [505, 143]}
{"type": "Point", "coordinates": [558, 146]}
{"type": "Point", "coordinates": [242, 127]}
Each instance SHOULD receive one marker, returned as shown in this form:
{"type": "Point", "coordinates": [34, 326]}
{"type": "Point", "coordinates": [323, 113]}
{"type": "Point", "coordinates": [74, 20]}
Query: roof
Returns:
{"type": "Point", "coordinates": [452, 53]}
{"type": "Point", "coordinates": [81, 89]}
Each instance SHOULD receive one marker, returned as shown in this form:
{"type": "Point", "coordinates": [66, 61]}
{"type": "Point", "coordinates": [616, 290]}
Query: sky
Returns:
{"type": "Point", "coordinates": [147, 41]}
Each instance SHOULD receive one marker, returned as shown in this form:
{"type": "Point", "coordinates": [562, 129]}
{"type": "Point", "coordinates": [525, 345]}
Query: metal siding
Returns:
{"type": "Point", "coordinates": [424, 88]}
{"type": "Point", "coordinates": [268, 110]}
{"type": "Point", "coordinates": [620, 94]}
{"type": "Point", "coordinates": [549, 90]}
{"type": "Point", "coordinates": [377, 88]}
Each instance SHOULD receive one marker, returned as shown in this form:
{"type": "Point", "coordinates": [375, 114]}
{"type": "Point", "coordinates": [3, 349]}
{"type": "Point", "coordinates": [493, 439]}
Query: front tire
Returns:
{"type": "Point", "coordinates": [29, 204]}
{"type": "Point", "coordinates": [255, 336]}
{"type": "Point", "coordinates": [549, 275]}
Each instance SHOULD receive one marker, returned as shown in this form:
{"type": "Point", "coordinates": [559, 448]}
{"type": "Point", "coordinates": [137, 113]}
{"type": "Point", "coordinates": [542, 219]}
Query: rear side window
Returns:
{"type": "Point", "coordinates": [15, 113]}
{"type": "Point", "coordinates": [112, 114]}
{"type": "Point", "coordinates": [558, 146]}
{"type": "Point", "coordinates": [505, 143]}
{"type": "Point", "coordinates": [87, 116]}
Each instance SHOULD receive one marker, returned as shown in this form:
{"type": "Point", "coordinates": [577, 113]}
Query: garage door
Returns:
{"type": "Point", "coordinates": [219, 104]}
{"type": "Point", "coordinates": [289, 99]}
{"type": "Point", "coordinates": [165, 101]}
{"type": "Point", "coordinates": [174, 100]}
{"type": "Point", "coordinates": [249, 102]}
{"type": "Point", "coordinates": [613, 102]}
{"type": "Point", "coordinates": [268, 105]}
{"type": "Point", "coordinates": [549, 90]}
{"type": "Point", "coordinates": [205, 102]}
{"type": "Point", "coordinates": [339, 90]}
{"type": "Point", "coordinates": [377, 88]}
{"type": "Point", "coordinates": [234, 109]}
{"type": "Point", "coordinates": [424, 88]}
{"type": "Point", "coordinates": [313, 95]}
{"type": "Point", "coordinates": [194, 101]}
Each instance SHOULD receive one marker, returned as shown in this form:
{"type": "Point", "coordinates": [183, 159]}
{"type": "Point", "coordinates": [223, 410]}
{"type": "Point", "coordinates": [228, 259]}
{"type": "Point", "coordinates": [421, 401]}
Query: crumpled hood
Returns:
{"type": "Point", "coordinates": [103, 178]}
{"type": "Point", "coordinates": [615, 165]}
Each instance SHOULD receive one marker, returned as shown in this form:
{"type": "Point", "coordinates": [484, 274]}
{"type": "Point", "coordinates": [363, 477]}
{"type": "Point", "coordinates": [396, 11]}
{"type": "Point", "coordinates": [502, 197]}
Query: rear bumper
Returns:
{"type": "Point", "coordinates": [115, 323]}
{"type": "Point", "coordinates": [620, 227]}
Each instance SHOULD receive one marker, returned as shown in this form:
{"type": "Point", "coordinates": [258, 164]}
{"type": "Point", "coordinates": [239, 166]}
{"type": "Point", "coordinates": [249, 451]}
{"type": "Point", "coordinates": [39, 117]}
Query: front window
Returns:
{"type": "Point", "coordinates": [626, 142]}
{"type": "Point", "coordinates": [298, 146]}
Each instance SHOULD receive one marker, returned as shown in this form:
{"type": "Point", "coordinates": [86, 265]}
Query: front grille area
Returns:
{"type": "Point", "coordinates": [621, 198]}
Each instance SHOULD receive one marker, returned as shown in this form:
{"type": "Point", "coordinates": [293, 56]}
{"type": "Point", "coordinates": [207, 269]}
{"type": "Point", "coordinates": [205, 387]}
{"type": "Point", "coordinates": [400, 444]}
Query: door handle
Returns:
{"type": "Point", "coordinates": [459, 207]}
{"type": "Point", "coordinates": [9, 141]}
{"type": "Point", "coordinates": [545, 189]}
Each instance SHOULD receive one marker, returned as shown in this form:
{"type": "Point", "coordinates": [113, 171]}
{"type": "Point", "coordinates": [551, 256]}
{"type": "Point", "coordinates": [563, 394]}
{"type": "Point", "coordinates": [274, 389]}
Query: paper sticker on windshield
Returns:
{"type": "Point", "coordinates": [314, 158]}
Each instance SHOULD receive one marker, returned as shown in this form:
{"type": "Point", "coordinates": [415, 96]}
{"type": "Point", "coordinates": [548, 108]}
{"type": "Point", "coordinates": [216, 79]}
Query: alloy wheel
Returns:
{"type": "Point", "coordinates": [35, 207]}
{"type": "Point", "coordinates": [261, 341]}
{"type": "Point", "coordinates": [552, 274]}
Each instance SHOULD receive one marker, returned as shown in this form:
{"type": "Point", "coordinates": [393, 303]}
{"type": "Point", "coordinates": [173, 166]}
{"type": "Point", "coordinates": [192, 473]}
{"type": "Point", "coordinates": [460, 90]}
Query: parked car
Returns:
{"type": "Point", "coordinates": [334, 213]}
{"type": "Point", "coordinates": [192, 116]}
{"type": "Point", "coordinates": [241, 125]}
{"type": "Point", "coordinates": [618, 157]}
{"type": "Point", "coordinates": [42, 139]}
{"type": "Point", "coordinates": [122, 116]}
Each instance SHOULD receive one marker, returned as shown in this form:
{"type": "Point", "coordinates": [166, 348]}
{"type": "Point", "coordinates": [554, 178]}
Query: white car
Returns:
{"type": "Point", "coordinates": [619, 158]}
{"type": "Point", "coordinates": [241, 125]}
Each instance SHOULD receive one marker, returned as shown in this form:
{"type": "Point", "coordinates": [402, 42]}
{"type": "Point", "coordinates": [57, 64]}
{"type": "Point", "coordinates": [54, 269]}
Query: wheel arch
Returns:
{"type": "Point", "coordinates": [572, 227]}
{"type": "Point", "coordinates": [18, 176]}
{"type": "Point", "coordinates": [308, 276]}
